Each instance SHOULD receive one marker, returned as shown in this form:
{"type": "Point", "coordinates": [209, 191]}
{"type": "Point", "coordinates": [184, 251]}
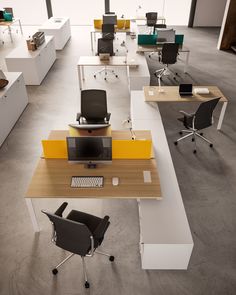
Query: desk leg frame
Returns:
{"type": "Point", "coordinates": [91, 36]}
{"type": "Point", "coordinates": [32, 214]}
{"type": "Point", "coordinates": [186, 62]}
{"type": "Point", "coordinates": [20, 27]}
{"type": "Point", "coordinates": [222, 114]}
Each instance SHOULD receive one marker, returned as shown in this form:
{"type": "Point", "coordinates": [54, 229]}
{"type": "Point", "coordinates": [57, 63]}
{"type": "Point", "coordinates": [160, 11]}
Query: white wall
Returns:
{"type": "Point", "coordinates": [31, 12]}
{"type": "Point", "coordinates": [209, 13]}
{"type": "Point", "coordinates": [84, 11]}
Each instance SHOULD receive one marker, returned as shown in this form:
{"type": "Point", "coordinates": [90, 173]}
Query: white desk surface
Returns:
{"type": "Point", "coordinates": [113, 61]}
{"type": "Point", "coordinates": [11, 77]}
{"type": "Point", "coordinates": [22, 51]}
{"type": "Point", "coordinates": [51, 23]}
{"type": "Point", "coordinates": [168, 217]}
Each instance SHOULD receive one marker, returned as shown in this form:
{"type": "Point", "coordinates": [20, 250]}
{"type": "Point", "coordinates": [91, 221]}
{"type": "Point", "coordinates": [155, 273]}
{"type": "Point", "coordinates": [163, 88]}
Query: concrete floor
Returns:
{"type": "Point", "coordinates": [207, 183]}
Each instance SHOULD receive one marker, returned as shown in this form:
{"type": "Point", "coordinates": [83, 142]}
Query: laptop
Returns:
{"type": "Point", "coordinates": [186, 89]}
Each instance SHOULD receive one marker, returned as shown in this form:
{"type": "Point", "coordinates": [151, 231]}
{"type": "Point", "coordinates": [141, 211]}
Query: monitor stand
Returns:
{"type": "Point", "coordinates": [90, 166]}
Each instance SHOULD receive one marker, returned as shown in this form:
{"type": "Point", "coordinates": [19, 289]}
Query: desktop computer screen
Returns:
{"type": "Point", "coordinates": [89, 149]}
{"type": "Point", "coordinates": [110, 19]}
{"type": "Point", "coordinates": [165, 36]}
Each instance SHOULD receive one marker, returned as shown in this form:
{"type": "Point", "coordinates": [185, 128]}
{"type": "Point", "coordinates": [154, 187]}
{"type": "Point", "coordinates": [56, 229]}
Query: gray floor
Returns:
{"type": "Point", "coordinates": [207, 183]}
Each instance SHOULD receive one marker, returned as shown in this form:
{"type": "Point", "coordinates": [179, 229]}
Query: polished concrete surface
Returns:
{"type": "Point", "coordinates": [207, 183]}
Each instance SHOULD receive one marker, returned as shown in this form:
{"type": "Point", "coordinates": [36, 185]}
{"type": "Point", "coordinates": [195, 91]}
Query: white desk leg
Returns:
{"type": "Point", "coordinates": [9, 30]}
{"type": "Point", "coordinates": [222, 114]}
{"type": "Point", "coordinates": [20, 27]}
{"type": "Point", "coordinates": [32, 214]}
{"type": "Point", "coordinates": [79, 76]}
{"type": "Point", "coordinates": [91, 36]}
{"type": "Point", "coordinates": [186, 62]}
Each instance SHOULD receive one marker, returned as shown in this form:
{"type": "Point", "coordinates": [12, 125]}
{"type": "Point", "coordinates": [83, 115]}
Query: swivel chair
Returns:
{"type": "Point", "coordinates": [79, 233]}
{"type": "Point", "coordinates": [105, 46]}
{"type": "Point", "coordinates": [93, 107]}
{"type": "Point", "coordinates": [168, 56]}
{"type": "Point", "coordinates": [151, 19]}
{"type": "Point", "coordinates": [197, 121]}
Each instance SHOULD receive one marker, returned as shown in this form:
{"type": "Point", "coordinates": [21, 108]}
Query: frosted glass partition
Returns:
{"type": "Point", "coordinates": [32, 12]}
{"type": "Point", "coordinates": [83, 12]}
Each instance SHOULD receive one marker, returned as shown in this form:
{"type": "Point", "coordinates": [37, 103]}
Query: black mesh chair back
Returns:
{"type": "Point", "coordinates": [94, 105]}
{"type": "Point", "coordinates": [203, 115]}
{"type": "Point", "coordinates": [70, 235]}
{"type": "Point", "coordinates": [151, 18]}
{"type": "Point", "coordinates": [108, 31]}
{"type": "Point", "coordinates": [105, 46]}
{"type": "Point", "coordinates": [169, 53]}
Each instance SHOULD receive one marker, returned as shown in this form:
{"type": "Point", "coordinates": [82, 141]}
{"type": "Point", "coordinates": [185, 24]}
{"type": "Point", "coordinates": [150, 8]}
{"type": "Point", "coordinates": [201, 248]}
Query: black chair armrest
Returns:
{"type": "Point", "coordinates": [187, 114]}
{"type": "Point", "coordinates": [108, 117]}
{"type": "Point", "coordinates": [78, 116]}
{"type": "Point", "coordinates": [61, 209]}
{"type": "Point", "coordinates": [99, 232]}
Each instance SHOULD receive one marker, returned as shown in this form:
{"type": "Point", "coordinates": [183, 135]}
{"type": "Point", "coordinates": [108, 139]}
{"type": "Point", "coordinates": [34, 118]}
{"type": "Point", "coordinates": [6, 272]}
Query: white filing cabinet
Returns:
{"type": "Point", "coordinates": [59, 27]}
{"type": "Point", "coordinates": [13, 100]}
{"type": "Point", "coordinates": [165, 237]}
{"type": "Point", "coordinates": [33, 64]}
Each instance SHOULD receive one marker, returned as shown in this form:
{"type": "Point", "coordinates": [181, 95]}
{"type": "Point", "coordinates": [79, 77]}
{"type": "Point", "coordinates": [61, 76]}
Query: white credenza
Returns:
{"type": "Point", "coordinates": [59, 27]}
{"type": "Point", "coordinates": [165, 237]}
{"type": "Point", "coordinates": [33, 64]}
{"type": "Point", "coordinates": [13, 100]}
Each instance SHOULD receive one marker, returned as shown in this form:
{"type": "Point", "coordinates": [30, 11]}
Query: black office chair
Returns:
{"type": "Point", "coordinates": [105, 46]}
{"type": "Point", "coordinates": [151, 19]}
{"type": "Point", "coordinates": [93, 107]}
{"type": "Point", "coordinates": [158, 26]}
{"type": "Point", "coordinates": [167, 56]}
{"type": "Point", "coordinates": [108, 31]}
{"type": "Point", "coordinates": [199, 120]}
{"type": "Point", "coordinates": [79, 233]}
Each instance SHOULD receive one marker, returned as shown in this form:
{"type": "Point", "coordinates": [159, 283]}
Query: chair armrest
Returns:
{"type": "Point", "coordinates": [61, 209]}
{"type": "Point", "coordinates": [78, 116]}
{"type": "Point", "coordinates": [187, 114]}
{"type": "Point", "coordinates": [101, 229]}
{"type": "Point", "coordinates": [108, 117]}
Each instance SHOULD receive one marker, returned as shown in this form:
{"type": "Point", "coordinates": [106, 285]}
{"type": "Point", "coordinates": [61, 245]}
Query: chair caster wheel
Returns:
{"type": "Point", "coordinates": [180, 133]}
{"type": "Point", "coordinates": [211, 145]}
{"type": "Point", "coordinates": [193, 139]}
{"type": "Point", "coordinates": [94, 76]}
{"type": "Point", "coordinates": [176, 142]}
{"type": "Point", "coordinates": [54, 271]}
{"type": "Point", "coordinates": [201, 133]}
{"type": "Point", "coordinates": [116, 76]}
{"type": "Point", "coordinates": [174, 78]}
{"type": "Point", "coordinates": [86, 284]}
{"type": "Point", "coordinates": [105, 79]}
{"type": "Point", "coordinates": [111, 258]}
{"type": "Point", "coordinates": [195, 151]}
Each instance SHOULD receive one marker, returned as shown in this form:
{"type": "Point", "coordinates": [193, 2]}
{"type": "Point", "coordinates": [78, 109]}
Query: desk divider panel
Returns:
{"type": "Point", "coordinates": [121, 149]}
{"type": "Point", "coordinates": [144, 39]}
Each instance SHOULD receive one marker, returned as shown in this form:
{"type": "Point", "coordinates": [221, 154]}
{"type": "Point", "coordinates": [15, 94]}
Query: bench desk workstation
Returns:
{"type": "Point", "coordinates": [171, 94]}
{"type": "Point", "coordinates": [52, 176]}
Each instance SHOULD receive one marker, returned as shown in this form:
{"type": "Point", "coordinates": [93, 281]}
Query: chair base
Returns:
{"type": "Point", "coordinates": [86, 283]}
{"type": "Point", "coordinates": [194, 134]}
{"type": "Point", "coordinates": [164, 72]}
{"type": "Point", "coordinates": [106, 71]}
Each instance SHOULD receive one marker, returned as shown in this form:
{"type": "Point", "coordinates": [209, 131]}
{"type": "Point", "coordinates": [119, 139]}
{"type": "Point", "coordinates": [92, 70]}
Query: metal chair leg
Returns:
{"type": "Point", "coordinates": [55, 271]}
{"type": "Point", "coordinates": [86, 284]}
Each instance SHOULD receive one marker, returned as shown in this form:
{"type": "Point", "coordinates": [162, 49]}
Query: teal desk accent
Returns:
{"type": "Point", "coordinates": [152, 39]}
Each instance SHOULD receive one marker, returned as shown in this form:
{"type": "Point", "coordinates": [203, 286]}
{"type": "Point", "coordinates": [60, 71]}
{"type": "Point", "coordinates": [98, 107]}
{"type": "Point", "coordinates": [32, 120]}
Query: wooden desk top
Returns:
{"type": "Point", "coordinates": [52, 178]}
{"type": "Point", "coordinates": [171, 94]}
{"type": "Point", "coordinates": [113, 61]}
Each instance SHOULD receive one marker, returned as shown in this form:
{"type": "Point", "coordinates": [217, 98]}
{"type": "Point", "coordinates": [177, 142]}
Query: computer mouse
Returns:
{"type": "Point", "coordinates": [115, 181]}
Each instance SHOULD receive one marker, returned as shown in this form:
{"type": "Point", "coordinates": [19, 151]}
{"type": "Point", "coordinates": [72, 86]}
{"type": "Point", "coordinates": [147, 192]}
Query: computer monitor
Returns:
{"type": "Point", "coordinates": [110, 19]}
{"type": "Point", "coordinates": [89, 150]}
{"type": "Point", "coordinates": [165, 36]}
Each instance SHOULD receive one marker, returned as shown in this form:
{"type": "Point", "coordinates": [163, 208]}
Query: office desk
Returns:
{"type": "Point", "coordinates": [8, 24]}
{"type": "Point", "coordinates": [52, 177]}
{"type": "Point", "coordinates": [94, 31]}
{"type": "Point", "coordinates": [114, 61]}
{"type": "Point", "coordinates": [158, 48]}
{"type": "Point", "coordinates": [171, 94]}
